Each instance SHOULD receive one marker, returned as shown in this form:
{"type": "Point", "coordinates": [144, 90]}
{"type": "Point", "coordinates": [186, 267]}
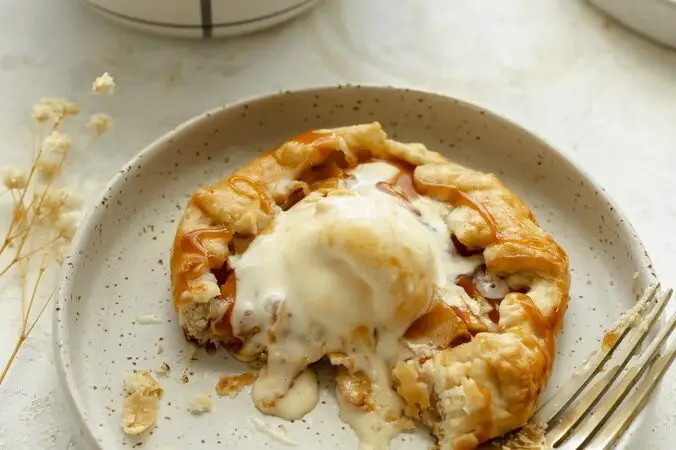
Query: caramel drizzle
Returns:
{"type": "Point", "coordinates": [308, 138]}
{"type": "Point", "coordinates": [192, 241]}
{"type": "Point", "coordinates": [467, 283]}
{"type": "Point", "coordinates": [259, 194]}
{"type": "Point", "coordinates": [455, 196]}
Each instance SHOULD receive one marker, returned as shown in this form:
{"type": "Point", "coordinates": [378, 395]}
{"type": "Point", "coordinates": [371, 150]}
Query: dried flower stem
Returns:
{"type": "Point", "coordinates": [44, 246]}
{"type": "Point", "coordinates": [17, 346]}
{"type": "Point", "coordinates": [8, 239]}
{"type": "Point", "coordinates": [36, 209]}
{"type": "Point", "coordinates": [23, 271]}
{"type": "Point", "coordinates": [41, 272]}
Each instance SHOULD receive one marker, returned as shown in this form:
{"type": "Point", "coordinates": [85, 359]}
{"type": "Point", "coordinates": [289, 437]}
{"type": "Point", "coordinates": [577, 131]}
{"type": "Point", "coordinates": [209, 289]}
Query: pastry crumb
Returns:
{"type": "Point", "coordinates": [200, 404]}
{"type": "Point", "coordinates": [160, 348]}
{"type": "Point", "coordinates": [629, 318]}
{"type": "Point", "coordinates": [141, 403]}
{"type": "Point", "coordinates": [148, 319]}
{"type": "Point", "coordinates": [530, 437]}
{"type": "Point", "coordinates": [231, 385]}
{"type": "Point", "coordinates": [163, 369]}
{"type": "Point", "coordinates": [184, 378]}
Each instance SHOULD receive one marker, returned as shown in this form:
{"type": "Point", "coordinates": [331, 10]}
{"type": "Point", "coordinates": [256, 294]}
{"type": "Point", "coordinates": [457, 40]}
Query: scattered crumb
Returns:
{"type": "Point", "coordinates": [164, 369]}
{"type": "Point", "coordinates": [109, 408]}
{"type": "Point", "coordinates": [148, 319]}
{"type": "Point", "coordinates": [231, 385]}
{"type": "Point", "coordinates": [184, 378]}
{"type": "Point", "coordinates": [160, 348]}
{"type": "Point", "coordinates": [200, 403]}
{"type": "Point", "coordinates": [628, 319]}
{"type": "Point", "coordinates": [530, 437]}
{"type": "Point", "coordinates": [105, 84]}
{"type": "Point", "coordinates": [142, 402]}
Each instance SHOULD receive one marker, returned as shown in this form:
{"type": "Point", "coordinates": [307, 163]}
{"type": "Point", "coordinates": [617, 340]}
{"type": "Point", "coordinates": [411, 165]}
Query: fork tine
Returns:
{"type": "Point", "coordinates": [627, 412]}
{"type": "Point", "coordinates": [562, 430]}
{"type": "Point", "coordinates": [555, 405]}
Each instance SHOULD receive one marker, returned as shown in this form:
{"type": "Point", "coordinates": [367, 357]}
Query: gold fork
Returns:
{"type": "Point", "coordinates": [586, 412]}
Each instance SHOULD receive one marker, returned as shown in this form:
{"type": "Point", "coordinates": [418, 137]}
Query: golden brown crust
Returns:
{"type": "Point", "coordinates": [467, 393]}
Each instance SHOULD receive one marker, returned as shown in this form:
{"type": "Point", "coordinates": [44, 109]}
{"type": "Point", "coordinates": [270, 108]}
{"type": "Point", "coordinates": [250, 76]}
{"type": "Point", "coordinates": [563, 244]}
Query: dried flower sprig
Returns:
{"type": "Point", "coordinates": [44, 218]}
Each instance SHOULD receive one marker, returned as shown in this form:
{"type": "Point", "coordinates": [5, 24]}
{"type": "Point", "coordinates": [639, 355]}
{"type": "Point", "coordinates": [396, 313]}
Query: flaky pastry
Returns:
{"type": "Point", "coordinates": [428, 285]}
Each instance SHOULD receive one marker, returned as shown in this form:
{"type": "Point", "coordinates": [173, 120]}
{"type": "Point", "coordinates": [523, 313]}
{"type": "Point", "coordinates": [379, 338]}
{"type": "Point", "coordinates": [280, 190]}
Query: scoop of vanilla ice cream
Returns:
{"type": "Point", "coordinates": [337, 263]}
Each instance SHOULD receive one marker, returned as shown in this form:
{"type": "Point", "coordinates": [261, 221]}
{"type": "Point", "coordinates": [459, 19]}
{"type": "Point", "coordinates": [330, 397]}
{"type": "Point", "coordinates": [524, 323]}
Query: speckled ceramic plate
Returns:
{"type": "Point", "coordinates": [119, 266]}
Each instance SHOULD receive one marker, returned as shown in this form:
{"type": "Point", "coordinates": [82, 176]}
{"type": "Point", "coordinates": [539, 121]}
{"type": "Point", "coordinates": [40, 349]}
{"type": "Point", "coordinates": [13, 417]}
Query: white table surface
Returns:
{"type": "Point", "coordinates": [602, 94]}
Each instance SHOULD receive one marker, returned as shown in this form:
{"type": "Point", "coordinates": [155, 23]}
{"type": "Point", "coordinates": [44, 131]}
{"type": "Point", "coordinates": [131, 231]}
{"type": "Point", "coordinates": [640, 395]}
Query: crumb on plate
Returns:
{"type": "Point", "coordinates": [200, 403]}
{"type": "Point", "coordinates": [231, 385]}
{"type": "Point", "coordinates": [142, 402]}
{"type": "Point", "coordinates": [148, 319]}
{"type": "Point", "coordinates": [163, 369]}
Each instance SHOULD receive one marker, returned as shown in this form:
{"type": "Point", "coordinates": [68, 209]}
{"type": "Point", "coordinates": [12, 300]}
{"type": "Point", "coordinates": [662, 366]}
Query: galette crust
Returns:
{"type": "Point", "coordinates": [467, 394]}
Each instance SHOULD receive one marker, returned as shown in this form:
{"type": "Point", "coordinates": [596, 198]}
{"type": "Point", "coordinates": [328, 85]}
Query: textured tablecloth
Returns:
{"type": "Point", "coordinates": [603, 95]}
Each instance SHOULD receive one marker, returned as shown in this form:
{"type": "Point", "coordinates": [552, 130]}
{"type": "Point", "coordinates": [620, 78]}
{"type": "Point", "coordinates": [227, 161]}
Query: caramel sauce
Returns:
{"type": "Point", "coordinates": [538, 322]}
{"type": "Point", "coordinates": [541, 328]}
{"type": "Point", "coordinates": [308, 137]}
{"type": "Point", "coordinates": [402, 186]}
{"type": "Point", "coordinates": [221, 273]}
{"type": "Point", "coordinates": [467, 283]}
{"type": "Point", "coordinates": [494, 315]}
{"type": "Point", "coordinates": [321, 173]}
{"type": "Point", "coordinates": [462, 249]}
{"type": "Point", "coordinates": [231, 385]}
{"type": "Point", "coordinates": [192, 241]}
{"type": "Point", "coordinates": [474, 325]}
{"type": "Point", "coordinates": [405, 184]}
{"type": "Point", "coordinates": [462, 339]}
{"type": "Point", "coordinates": [293, 198]}
{"type": "Point", "coordinates": [455, 196]}
{"type": "Point", "coordinates": [610, 339]}
{"type": "Point", "coordinates": [440, 327]}
{"type": "Point", "coordinates": [259, 193]}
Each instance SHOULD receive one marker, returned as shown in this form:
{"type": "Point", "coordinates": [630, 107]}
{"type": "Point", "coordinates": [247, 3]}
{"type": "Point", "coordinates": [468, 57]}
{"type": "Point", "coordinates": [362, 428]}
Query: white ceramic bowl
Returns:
{"type": "Point", "coordinates": [653, 18]}
{"type": "Point", "coordinates": [200, 18]}
{"type": "Point", "coordinates": [118, 266]}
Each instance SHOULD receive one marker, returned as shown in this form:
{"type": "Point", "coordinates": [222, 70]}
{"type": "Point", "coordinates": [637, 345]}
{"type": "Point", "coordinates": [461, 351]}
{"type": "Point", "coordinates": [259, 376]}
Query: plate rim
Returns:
{"type": "Point", "coordinates": [70, 264]}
